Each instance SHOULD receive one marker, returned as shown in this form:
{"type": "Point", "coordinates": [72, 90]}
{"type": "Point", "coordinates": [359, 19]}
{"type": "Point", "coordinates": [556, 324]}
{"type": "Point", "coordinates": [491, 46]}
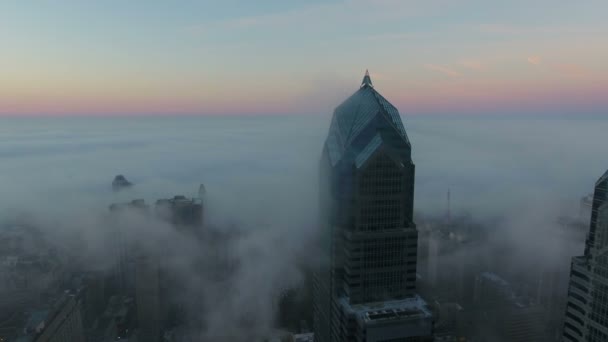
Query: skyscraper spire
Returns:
{"type": "Point", "coordinates": [367, 81]}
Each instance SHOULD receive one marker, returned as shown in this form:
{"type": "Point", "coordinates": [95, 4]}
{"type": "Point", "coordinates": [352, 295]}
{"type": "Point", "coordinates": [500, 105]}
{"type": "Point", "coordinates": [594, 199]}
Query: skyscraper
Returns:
{"type": "Point", "coordinates": [587, 309]}
{"type": "Point", "coordinates": [185, 214]}
{"type": "Point", "coordinates": [123, 272]}
{"type": "Point", "coordinates": [365, 283]}
{"type": "Point", "coordinates": [148, 297]}
{"type": "Point", "coordinates": [62, 323]}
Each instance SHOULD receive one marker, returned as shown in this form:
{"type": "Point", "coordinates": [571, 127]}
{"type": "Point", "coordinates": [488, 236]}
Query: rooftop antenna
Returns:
{"type": "Point", "coordinates": [367, 80]}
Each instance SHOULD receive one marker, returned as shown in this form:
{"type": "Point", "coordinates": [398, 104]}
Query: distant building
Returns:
{"type": "Point", "coordinates": [116, 322]}
{"type": "Point", "coordinates": [137, 205]}
{"type": "Point", "coordinates": [181, 212]}
{"type": "Point", "coordinates": [120, 183]}
{"type": "Point", "coordinates": [365, 285]}
{"type": "Point", "coordinates": [433, 258]}
{"type": "Point", "coordinates": [447, 253]}
{"type": "Point", "coordinates": [451, 321]}
{"type": "Point", "coordinates": [140, 270]}
{"type": "Point", "coordinates": [124, 269]}
{"type": "Point", "coordinates": [25, 269]}
{"type": "Point", "coordinates": [504, 315]}
{"type": "Point", "coordinates": [148, 298]}
{"type": "Point", "coordinates": [61, 323]}
{"type": "Point", "coordinates": [586, 311]}
{"type": "Point", "coordinates": [91, 286]}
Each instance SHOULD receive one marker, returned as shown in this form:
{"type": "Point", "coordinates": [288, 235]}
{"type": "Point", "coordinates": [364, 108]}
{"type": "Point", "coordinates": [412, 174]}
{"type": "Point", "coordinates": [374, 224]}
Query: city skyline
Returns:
{"type": "Point", "coordinates": [234, 57]}
{"type": "Point", "coordinates": [286, 246]}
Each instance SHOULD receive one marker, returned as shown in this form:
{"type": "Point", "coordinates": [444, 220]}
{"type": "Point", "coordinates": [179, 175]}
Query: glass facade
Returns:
{"type": "Point", "coordinates": [586, 317]}
{"type": "Point", "coordinates": [369, 239]}
{"type": "Point", "coordinates": [599, 198]}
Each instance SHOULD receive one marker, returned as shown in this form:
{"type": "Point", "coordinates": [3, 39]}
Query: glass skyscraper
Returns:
{"type": "Point", "coordinates": [587, 309]}
{"type": "Point", "coordinates": [365, 283]}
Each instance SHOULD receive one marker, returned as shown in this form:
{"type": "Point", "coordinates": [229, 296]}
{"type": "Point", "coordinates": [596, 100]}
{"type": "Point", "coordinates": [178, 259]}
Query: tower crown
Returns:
{"type": "Point", "coordinates": [359, 118]}
{"type": "Point", "coordinates": [367, 80]}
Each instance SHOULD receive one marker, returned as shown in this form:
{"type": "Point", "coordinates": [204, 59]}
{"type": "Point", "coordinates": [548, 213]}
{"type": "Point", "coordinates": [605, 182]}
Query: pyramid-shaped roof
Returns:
{"type": "Point", "coordinates": [356, 113]}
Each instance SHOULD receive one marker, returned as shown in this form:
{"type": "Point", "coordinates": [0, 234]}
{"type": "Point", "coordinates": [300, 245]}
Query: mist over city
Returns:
{"type": "Point", "coordinates": [284, 171]}
{"type": "Point", "coordinates": [505, 176]}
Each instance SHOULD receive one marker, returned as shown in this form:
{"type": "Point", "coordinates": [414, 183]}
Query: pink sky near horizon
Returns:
{"type": "Point", "coordinates": [446, 97]}
{"type": "Point", "coordinates": [429, 57]}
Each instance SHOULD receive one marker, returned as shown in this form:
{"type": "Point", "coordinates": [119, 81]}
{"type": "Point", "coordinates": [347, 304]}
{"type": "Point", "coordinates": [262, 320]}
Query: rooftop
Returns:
{"type": "Point", "coordinates": [352, 118]}
{"type": "Point", "coordinates": [409, 308]}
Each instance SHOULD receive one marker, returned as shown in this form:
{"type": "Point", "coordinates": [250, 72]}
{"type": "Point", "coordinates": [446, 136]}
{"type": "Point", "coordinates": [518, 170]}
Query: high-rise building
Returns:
{"type": "Point", "coordinates": [123, 272]}
{"type": "Point", "coordinates": [365, 283]}
{"type": "Point", "coordinates": [143, 271]}
{"type": "Point", "coordinates": [63, 322]}
{"type": "Point", "coordinates": [148, 298]}
{"type": "Point", "coordinates": [587, 309]}
{"type": "Point", "coordinates": [181, 212]}
{"type": "Point", "coordinates": [501, 313]}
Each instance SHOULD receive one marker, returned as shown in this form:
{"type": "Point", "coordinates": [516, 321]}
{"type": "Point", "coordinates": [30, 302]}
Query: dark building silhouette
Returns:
{"type": "Point", "coordinates": [365, 284]}
{"type": "Point", "coordinates": [180, 211]}
{"type": "Point", "coordinates": [120, 183]}
{"type": "Point", "coordinates": [61, 323]}
{"type": "Point", "coordinates": [140, 270]}
{"type": "Point", "coordinates": [587, 308]}
{"type": "Point", "coordinates": [148, 298]}
{"type": "Point", "coordinates": [502, 314]}
{"type": "Point", "coordinates": [123, 279]}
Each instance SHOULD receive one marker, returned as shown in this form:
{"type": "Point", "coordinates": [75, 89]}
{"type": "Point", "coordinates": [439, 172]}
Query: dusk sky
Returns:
{"type": "Point", "coordinates": [302, 57]}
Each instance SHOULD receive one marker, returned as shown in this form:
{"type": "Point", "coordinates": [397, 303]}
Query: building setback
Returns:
{"type": "Point", "coordinates": [364, 286]}
{"type": "Point", "coordinates": [587, 309]}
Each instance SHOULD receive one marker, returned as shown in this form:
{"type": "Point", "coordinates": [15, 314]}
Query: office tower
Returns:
{"type": "Point", "coordinates": [185, 214]}
{"type": "Point", "coordinates": [587, 309]}
{"type": "Point", "coordinates": [120, 183]}
{"type": "Point", "coordinates": [148, 297]}
{"type": "Point", "coordinates": [142, 273]}
{"type": "Point", "coordinates": [62, 323]}
{"type": "Point", "coordinates": [451, 321]}
{"type": "Point", "coordinates": [365, 283]}
{"type": "Point", "coordinates": [115, 323]}
{"type": "Point", "coordinates": [501, 313]}
{"type": "Point", "coordinates": [123, 272]}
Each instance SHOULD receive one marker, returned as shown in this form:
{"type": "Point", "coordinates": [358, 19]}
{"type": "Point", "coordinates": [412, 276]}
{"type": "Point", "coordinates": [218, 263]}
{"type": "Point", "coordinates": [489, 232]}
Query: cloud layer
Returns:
{"type": "Point", "coordinates": [261, 176]}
